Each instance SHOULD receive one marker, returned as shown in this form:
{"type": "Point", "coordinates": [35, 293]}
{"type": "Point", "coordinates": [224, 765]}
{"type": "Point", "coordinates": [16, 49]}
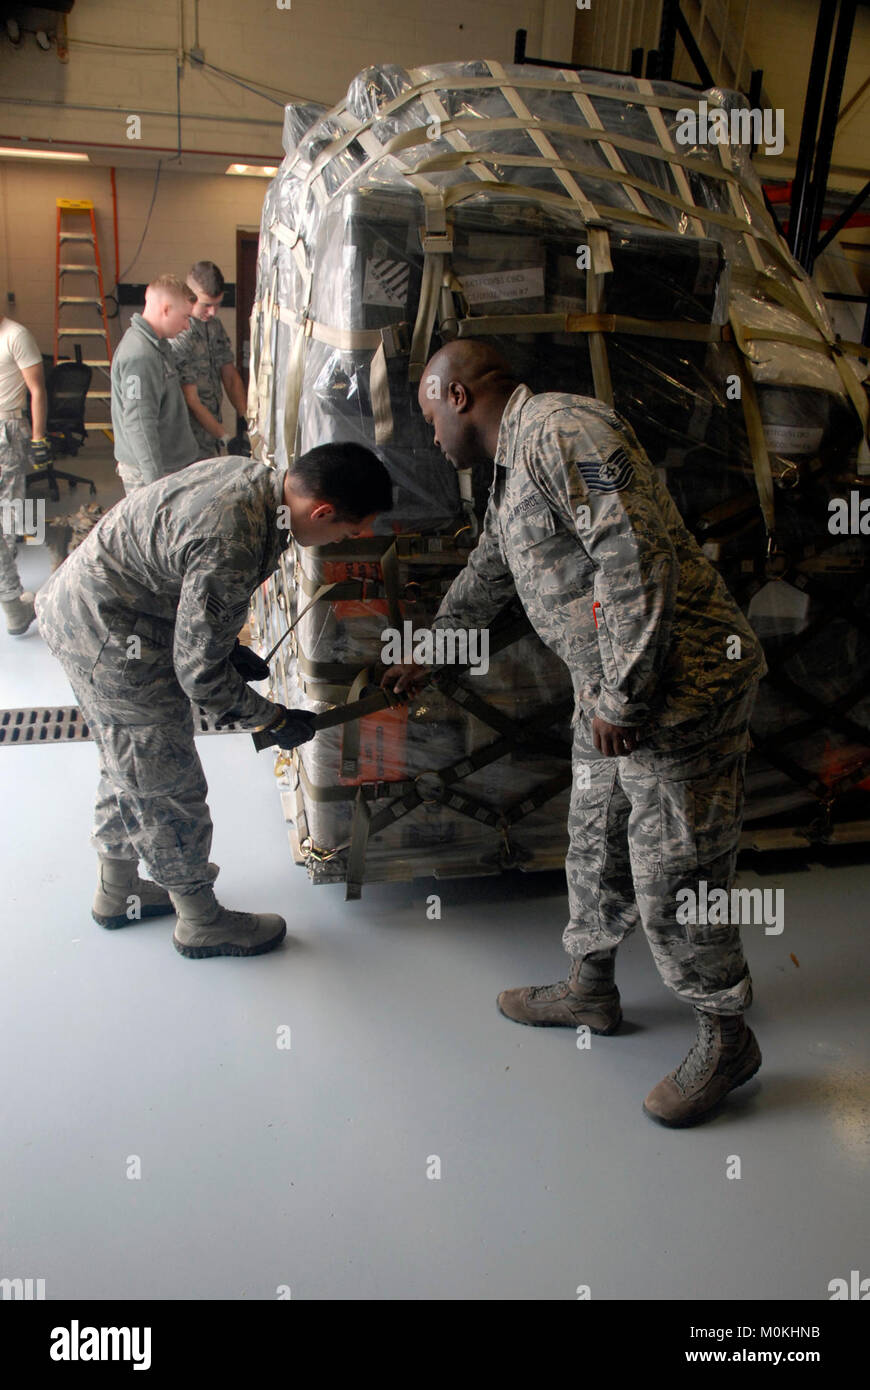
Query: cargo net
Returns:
{"type": "Point", "coordinates": [557, 216]}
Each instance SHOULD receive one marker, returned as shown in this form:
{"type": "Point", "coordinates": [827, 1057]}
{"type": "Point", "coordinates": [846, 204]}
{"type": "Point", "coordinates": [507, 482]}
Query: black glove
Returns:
{"type": "Point", "coordinates": [240, 444]}
{"type": "Point", "coordinates": [250, 666]}
{"type": "Point", "coordinates": [41, 452]}
{"type": "Point", "coordinates": [296, 726]}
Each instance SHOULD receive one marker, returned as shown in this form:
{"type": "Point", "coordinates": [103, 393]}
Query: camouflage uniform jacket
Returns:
{"type": "Point", "coordinates": [174, 564]}
{"type": "Point", "coordinates": [199, 353]}
{"type": "Point", "coordinates": [581, 527]}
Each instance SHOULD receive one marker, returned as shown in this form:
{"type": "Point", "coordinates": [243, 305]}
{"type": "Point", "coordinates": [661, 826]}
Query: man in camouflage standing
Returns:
{"type": "Point", "coordinates": [143, 616]}
{"type": "Point", "coordinates": [665, 669]}
{"type": "Point", "coordinates": [22, 443]}
{"type": "Point", "coordinates": [204, 360]}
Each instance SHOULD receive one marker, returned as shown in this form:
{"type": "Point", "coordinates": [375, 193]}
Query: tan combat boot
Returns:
{"type": "Point", "coordinates": [588, 996]}
{"type": "Point", "coordinates": [204, 928]}
{"type": "Point", "coordinates": [19, 612]}
{"type": "Point", "coordinates": [723, 1056]}
{"type": "Point", "coordinates": [117, 882]}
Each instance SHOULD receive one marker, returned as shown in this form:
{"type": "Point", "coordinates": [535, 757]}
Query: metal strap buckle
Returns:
{"type": "Point", "coordinates": [396, 339]}
{"type": "Point", "coordinates": [437, 243]}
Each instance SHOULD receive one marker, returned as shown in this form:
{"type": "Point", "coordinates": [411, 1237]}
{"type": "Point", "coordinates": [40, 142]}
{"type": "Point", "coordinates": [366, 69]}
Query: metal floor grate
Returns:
{"type": "Point", "coordinates": [64, 724]}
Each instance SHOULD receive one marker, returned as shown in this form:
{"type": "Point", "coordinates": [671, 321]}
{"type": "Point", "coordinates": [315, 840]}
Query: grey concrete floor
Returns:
{"type": "Point", "coordinates": [306, 1167]}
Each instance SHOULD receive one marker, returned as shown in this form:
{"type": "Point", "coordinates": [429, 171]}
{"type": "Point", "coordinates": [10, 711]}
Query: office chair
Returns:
{"type": "Point", "coordinates": [66, 385]}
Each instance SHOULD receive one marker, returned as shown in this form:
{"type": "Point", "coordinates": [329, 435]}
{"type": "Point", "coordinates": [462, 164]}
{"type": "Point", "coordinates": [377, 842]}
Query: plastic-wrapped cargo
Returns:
{"type": "Point", "coordinates": [557, 215]}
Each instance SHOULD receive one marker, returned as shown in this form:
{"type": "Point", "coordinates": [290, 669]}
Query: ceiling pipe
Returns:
{"type": "Point", "coordinates": [233, 155]}
{"type": "Point", "coordinates": [28, 102]}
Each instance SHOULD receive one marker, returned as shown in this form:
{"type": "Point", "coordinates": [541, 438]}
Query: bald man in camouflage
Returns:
{"type": "Point", "coordinates": [665, 669]}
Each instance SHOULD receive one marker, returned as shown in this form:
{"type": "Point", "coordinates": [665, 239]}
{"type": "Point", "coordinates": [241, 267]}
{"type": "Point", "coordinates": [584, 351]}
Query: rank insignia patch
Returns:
{"type": "Point", "coordinates": [612, 475]}
{"type": "Point", "coordinates": [221, 612]}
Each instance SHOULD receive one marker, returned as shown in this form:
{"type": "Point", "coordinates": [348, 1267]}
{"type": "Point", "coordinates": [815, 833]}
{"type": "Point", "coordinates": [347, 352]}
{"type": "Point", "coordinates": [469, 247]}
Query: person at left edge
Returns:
{"type": "Point", "coordinates": [143, 616]}
{"type": "Point", "coordinates": [21, 442]}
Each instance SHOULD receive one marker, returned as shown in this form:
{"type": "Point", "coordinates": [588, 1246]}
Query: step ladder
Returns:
{"type": "Point", "coordinates": [78, 254]}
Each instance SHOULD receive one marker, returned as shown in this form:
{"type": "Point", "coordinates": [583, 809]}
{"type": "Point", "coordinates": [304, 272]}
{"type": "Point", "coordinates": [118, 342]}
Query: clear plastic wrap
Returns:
{"type": "Point", "coordinates": [473, 188]}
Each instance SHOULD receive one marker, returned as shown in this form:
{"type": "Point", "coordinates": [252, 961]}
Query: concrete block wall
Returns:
{"type": "Point", "coordinates": [123, 61]}
{"type": "Point", "coordinates": [195, 217]}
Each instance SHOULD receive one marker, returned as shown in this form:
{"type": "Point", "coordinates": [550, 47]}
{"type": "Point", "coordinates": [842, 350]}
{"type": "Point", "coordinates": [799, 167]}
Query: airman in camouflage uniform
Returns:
{"type": "Point", "coordinates": [199, 353]}
{"type": "Point", "coordinates": [143, 616]}
{"type": "Point", "coordinates": [204, 361]}
{"type": "Point", "coordinates": [14, 464]}
{"type": "Point", "coordinates": [665, 668]}
{"type": "Point", "coordinates": [21, 444]}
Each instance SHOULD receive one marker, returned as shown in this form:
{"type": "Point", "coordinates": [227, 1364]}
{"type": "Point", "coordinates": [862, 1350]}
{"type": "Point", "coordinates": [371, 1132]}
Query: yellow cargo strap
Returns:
{"type": "Point", "coordinates": [599, 242]}
{"type": "Point", "coordinates": [643, 96]}
{"type": "Point", "coordinates": [390, 571]}
{"type": "Point", "coordinates": [320, 593]}
{"type": "Point", "coordinates": [252, 405]}
{"type": "Point", "coordinates": [379, 390]}
{"type": "Point", "coordinates": [755, 431]}
{"type": "Point", "coordinates": [608, 147]}
{"type": "Point", "coordinates": [470, 84]}
{"type": "Point", "coordinates": [442, 163]}
{"type": "Point", "coordinates": [363, 339]}
{"type": "Point", "coordinates": [372, 791]}
{"type": "Point", "coordinates": [763, 283]}
{"type": "Point", "coordinates": [266, 403]}
{"type": "Point", "coordinates": [750, 241]}
{"type": "Point", "coordinates": [408, 139]}
{"type": "Point", "coordinates": [292, 239]}
{"type": "Point", "coordinates": [833, 350]}
{"type": "Point", "coordinates": [349, 766]}
{"type": "Point", "coordinates": [437, 242]}
{"type": "Point", "coordinates": [345, 339]}
{"type": "Point", "coordinates": [438, 278]}
{"type": "Point", "coordinates": [596, 231]}
{"type": "Point", "coordinates": [666, 143]}
{"type": "Point", "coordinates": [445, 162]}
{"type": "Point", "coordinates": [439, 115]}
{"type": "Point", "coordinates": [417, 136]}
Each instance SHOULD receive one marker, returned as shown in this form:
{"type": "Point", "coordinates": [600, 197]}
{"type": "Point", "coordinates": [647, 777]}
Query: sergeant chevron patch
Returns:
{"type": "Point", "coordinates": [611, 475]}
{"type": "Point", "coordinates": [222, 612]}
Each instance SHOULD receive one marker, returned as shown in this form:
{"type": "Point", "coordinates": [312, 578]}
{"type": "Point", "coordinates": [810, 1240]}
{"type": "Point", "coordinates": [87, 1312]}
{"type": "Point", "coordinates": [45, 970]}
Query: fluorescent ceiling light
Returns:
{"type": "Point", "coordinates": [21, 152]}
{"type": "Point", "coordinates": [256, 171]}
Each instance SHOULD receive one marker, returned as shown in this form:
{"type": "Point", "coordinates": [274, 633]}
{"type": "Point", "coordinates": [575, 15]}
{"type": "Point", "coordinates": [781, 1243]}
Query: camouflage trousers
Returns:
{"type": "Point", "coordinates": [14, 439]}
{"type": "Point", "coordinates": [151, 797]}
{"type": "Point", "coordinates": [208, 445]}
{"type": "Point", "coordinates": [642, 828]}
